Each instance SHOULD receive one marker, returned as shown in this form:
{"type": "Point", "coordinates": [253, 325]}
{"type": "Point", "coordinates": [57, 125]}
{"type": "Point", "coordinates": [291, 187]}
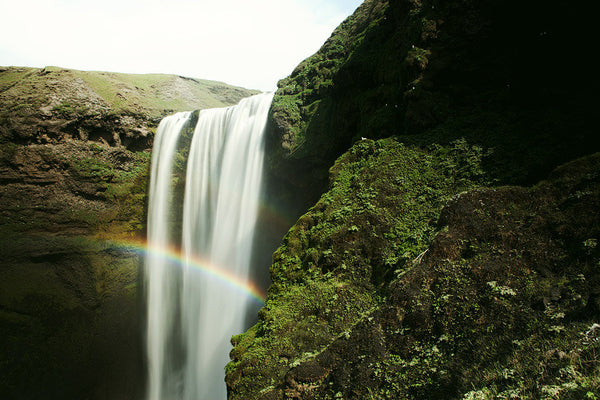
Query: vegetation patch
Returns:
{"type": "Point", "coordinates": [336, 263]}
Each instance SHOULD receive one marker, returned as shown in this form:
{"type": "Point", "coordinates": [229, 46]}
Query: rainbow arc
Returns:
{"type": "Point", "coordinates": [214, 272]}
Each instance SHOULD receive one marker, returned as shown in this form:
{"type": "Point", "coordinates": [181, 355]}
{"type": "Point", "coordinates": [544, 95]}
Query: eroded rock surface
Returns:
{"type": "Point", "coordinates": [74, 164]}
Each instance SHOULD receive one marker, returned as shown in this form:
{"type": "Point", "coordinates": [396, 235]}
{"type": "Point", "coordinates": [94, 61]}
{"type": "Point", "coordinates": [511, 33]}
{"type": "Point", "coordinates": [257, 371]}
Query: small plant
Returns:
{"type": "Point", "coordinates": [418, 57]}
{"type": "Point", "coordinates": [64, 108]}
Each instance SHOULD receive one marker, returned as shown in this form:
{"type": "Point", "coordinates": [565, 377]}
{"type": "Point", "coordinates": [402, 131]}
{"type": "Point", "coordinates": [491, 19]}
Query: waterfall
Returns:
{"type": "Point", "coordinates": [192, 316]}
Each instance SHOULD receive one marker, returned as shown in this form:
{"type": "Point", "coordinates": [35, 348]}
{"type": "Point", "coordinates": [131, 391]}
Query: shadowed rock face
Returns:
{"type": "Point", "coordinates": [509, 284]}
{"type": "Point", "coordinates": [70, 319]}
{"type": "Point", "coordinates": [416, 274]}
{"type": "Point", "coordinates": [493, 71]}
{"type": "Point", "coordinates": [74, 164]}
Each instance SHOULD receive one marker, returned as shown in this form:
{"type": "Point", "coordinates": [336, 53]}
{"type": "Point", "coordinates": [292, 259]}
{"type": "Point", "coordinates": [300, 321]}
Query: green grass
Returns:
{"type": "Point", "coordinates": [10, 76]}
{"type": "Point", "coordinates": [151, 94]}
{"type": "Point", "coordinates": [131, 91]}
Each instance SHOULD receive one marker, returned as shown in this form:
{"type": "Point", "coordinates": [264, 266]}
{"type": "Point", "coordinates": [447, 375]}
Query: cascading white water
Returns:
{"type": "Point", "coordinates": [191, 317]}
{"type": "Point", "coordinates": [161, 282]}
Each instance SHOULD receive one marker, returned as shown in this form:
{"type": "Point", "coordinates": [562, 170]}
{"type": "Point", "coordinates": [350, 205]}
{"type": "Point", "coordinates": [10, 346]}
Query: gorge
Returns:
{"type": "Point", "coordinates": [434, 169]}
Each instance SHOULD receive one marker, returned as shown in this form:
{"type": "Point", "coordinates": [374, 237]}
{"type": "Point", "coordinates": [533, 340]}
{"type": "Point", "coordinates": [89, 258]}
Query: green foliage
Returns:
{"type": "Point", "coordinates": [336, 262]}
{"type": "Point", "coordinates": [123, 187]}
{"type": "Point", "coordinates": [66, 109]}
{"type": "Point", "coordinates": [418, 57]}
{"type": "Point", "coordinates": [496, 309]}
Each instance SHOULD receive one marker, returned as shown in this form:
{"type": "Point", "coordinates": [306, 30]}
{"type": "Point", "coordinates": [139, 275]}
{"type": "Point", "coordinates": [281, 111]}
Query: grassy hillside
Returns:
{"type": "Point", "coordinates": [153, 95]}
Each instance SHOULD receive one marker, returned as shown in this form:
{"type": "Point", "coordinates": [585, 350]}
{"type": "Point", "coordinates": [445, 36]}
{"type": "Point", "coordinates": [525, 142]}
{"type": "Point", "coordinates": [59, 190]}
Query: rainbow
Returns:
{"type": "Point", "coordinates": [267, 212]}
{"type": "Point", "coordinates": [212, 271]}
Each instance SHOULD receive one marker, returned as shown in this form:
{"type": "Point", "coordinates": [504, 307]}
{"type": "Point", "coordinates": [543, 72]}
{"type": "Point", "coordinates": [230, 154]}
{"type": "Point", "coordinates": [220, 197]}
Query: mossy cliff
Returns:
{"type": "Point", "coordinates": [422, 271]}
{"type": "Point", "coordinates": [391, 287]}
{"type": "Point", "coordinates": [74, 163]}
{"type": "Point", "coordinates": [498, 71]}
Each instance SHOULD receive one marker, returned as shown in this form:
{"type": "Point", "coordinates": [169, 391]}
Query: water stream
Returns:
{"type": "Point", "coordinates": [196, 305]}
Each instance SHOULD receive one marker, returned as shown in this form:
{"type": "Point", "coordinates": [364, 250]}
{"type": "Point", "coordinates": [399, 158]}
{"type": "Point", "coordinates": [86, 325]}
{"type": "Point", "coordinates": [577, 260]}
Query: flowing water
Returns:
{"type": "Point", "coordinates": [191, 316]}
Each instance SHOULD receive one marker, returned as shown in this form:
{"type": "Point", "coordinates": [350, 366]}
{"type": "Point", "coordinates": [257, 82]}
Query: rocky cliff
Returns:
{"type": "Point", "coordinates": [421, 271]}
{"type": "Point", "coordinates": [74, 160]}
{"type": "Point", "coordinates": [442, 162]}
{"type": "Point", "coordinates": [494, 72]}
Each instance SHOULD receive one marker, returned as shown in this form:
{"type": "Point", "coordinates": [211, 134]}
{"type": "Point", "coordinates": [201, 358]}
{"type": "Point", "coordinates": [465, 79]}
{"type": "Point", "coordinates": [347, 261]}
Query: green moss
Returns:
{"type": "Point", "coordinates": [478, 318]}
{"type": "Point", "coordinates": [498, 307]}
{"type": "Point", "coordinates": [336, 262]}
{"type": "Point", "coordinates": [66, 109]}
{"type": "Point", "coordinates": [65, 305]}
{"type": "Point", "coordinates": [123, 187]}
{"type": "Point", "coordinates": [297, 104]}
{"type": "Point", "coordinates": [92, 168]}
{"type": "Point", "coordinates": [418, 57]}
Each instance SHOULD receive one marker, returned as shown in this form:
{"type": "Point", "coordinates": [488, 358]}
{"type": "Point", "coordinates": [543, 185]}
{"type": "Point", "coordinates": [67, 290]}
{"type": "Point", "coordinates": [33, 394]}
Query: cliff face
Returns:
{"type": "Point", "coordinates": [494, 72]}
{"type": "Point", "coordinates": [74, 161]}
{"type": "Point", "coordinates": [390, 287]}
{"type": "Point", "coordinates": [421, 271]}
{"type": "Point", "coordinates": [419, 274]}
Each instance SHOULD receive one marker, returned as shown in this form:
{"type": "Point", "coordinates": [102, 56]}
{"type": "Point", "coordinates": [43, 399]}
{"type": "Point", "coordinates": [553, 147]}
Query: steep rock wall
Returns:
{"type": "Point", "coordinates": [496, 72]}
{"type": "Point", "coordinates": [74, 162]}
{"type": "Point", "coordinates": [388, 288]}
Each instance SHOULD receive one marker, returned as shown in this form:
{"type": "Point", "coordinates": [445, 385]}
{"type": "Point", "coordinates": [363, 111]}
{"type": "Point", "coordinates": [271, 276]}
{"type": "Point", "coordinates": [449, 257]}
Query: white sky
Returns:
{"type": "Point", "coordinates": [249, 43]}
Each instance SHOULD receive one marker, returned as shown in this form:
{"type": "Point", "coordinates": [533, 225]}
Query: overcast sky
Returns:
{"type": "Point", "coordinates": [249, 43]}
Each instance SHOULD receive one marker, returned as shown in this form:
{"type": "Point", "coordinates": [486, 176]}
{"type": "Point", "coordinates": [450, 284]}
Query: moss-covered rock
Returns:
{"type": "Point", "coordinates": [499, 298]}
{"type": "Point", "coordinates": [492, 71]}
{"type": "Point", "coordinates": [504, 304]}
{"type": "Point", "coordinates": [74, 169]}
{"type": "Point", "coordinates": [336, 263]}
{"type": "Point", "coordinates": [387, 288]}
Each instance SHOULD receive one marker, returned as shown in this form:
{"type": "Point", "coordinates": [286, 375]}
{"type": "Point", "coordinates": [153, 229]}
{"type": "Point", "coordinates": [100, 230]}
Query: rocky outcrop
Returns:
{"type": "Point", "coordinates": [487, 71]}
{"type": "Point", "coordinates": [398, 283]}
{"type": "Point", "coordinates": [418, 274]}
{"type": "Point", "coordinates": [503, 304]}
{"type": "Point", "coordinates": [54, 104]}
{"type": "Point", "coordinates": [74, 165]}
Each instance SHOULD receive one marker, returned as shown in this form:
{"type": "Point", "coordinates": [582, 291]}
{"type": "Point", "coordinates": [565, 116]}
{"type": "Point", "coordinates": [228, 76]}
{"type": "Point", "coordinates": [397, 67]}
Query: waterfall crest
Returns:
{"type": "Point", "coordinates": [191, 316]}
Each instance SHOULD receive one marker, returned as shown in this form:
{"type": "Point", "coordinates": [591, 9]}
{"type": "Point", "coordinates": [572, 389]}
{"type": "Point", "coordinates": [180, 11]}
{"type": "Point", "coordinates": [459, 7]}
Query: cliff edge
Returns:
{"type": "Point", "coordinates": [74, 164]}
